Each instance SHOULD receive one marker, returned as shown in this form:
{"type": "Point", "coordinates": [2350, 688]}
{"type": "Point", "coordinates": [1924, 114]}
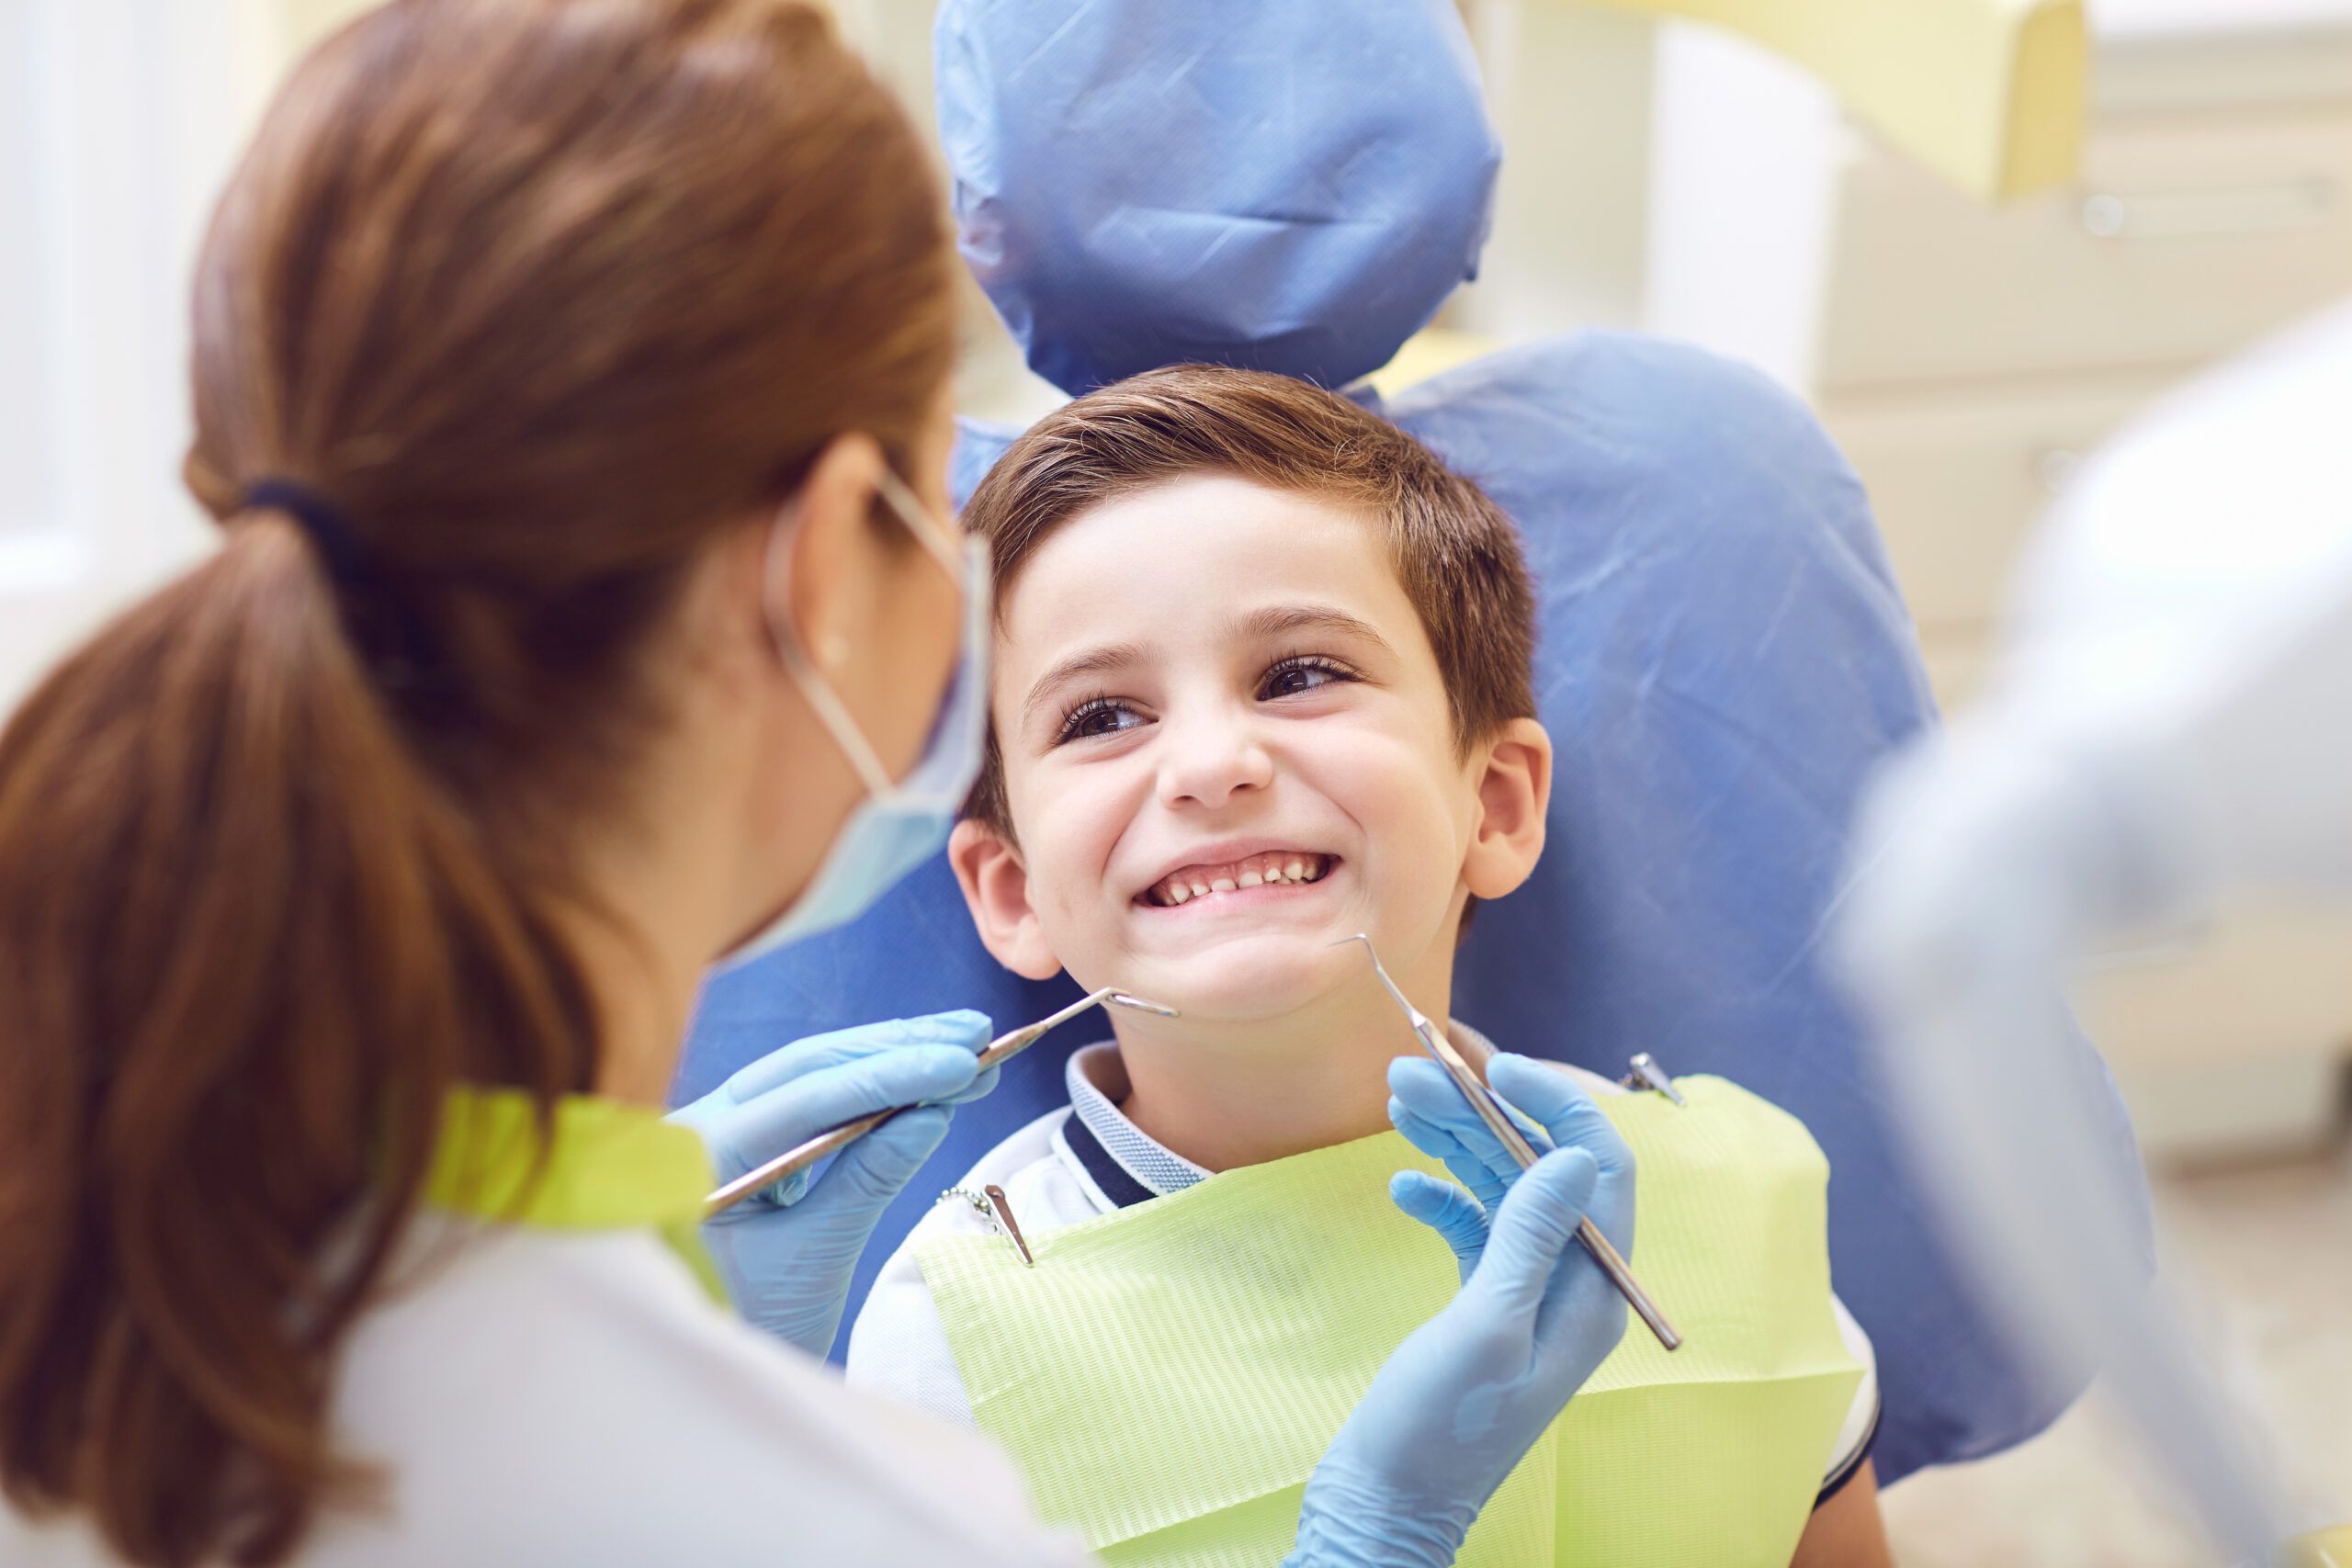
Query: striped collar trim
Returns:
{"type": "Point", "coordinates": [1098, 1081]}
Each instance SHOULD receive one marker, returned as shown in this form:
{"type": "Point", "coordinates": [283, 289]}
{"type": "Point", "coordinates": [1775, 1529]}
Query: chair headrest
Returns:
{"type": "Point", "coordinates": [1281, 187]}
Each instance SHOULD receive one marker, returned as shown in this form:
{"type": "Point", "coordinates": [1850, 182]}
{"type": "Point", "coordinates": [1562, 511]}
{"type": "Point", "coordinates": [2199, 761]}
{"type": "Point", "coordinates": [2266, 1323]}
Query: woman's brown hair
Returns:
{"type": "Point", "coordinates": [538, 298]}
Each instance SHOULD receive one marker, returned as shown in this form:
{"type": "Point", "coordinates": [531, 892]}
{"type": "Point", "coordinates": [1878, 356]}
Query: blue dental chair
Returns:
{"type": "Point", "coordinates": [1723, 652]}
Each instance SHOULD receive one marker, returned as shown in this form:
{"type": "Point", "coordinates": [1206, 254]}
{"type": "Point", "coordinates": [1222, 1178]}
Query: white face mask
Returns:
{"type": "Point", "coordinates": [899, 825]}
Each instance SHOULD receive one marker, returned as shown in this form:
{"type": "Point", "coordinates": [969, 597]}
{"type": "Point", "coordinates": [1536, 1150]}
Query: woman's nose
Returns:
{"type": "Point", "coordinates": [1208, 761]}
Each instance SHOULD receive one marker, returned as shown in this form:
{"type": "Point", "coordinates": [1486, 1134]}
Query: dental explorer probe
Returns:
{"type": "Point", "coordinates": [1489, 1106]}
{"type": "Point", "coordinates": [1003, 1048]}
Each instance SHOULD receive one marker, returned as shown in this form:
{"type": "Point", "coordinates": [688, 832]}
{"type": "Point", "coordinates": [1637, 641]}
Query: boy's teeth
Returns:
{"type": "Point", "coordinates": [1258, 871]}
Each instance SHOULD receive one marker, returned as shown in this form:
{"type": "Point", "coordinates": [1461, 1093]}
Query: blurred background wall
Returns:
{"type": "Point", "coordinates": [118, 120]}
{"type": "Point", "coordinates": [1658, 177]}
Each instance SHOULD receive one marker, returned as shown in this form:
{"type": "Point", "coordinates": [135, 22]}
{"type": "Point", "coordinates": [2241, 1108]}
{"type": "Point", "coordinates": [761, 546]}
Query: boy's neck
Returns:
{"type": "Point", "coordinates": [1229, 1095]}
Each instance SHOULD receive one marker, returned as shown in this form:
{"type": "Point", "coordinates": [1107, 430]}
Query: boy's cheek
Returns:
{"type": "Point", "coordinates": [1066, 896]}
{"type": "Point", "coordinates": [1416, 823]}
{"type": "Point", "coordinates": [1395, 793]}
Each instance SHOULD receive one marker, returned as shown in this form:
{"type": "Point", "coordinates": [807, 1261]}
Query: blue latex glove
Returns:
{"type": "Point", "coordinates": [787, 1252]}
{"type": "Point", "coordinates": [1467, 1395]}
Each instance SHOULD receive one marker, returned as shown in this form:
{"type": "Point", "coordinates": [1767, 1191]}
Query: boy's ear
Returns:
{"type": "Point", "coordinates": [996, 889]}
{"type": "Point", "coordinates": [1514, 786]}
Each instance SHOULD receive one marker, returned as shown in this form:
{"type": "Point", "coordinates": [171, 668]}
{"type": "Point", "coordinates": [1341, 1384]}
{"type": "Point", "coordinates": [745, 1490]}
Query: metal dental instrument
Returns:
{"type": "Point", "coordinates": [1491, 1110]}
{"type": "Point", "coordinates": [1643, 1073]}
{"type": "Point", "coordinates": [1002, 1208]}
{"type": "Point", "coordinates": [1003, 1048]}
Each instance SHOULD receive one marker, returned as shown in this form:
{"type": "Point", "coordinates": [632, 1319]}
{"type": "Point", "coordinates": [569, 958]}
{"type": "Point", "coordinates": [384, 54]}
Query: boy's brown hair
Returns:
{"type": "Point", "coordinates": [1455, 552]}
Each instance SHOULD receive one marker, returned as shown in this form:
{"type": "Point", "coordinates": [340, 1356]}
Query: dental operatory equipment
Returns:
{"type": "Point", "coordinates": [2168, 726]}
{"type": "Point", "coordinates": [1498, 1118]}
{"type": "Point", "coordinates": [1002, 1049]}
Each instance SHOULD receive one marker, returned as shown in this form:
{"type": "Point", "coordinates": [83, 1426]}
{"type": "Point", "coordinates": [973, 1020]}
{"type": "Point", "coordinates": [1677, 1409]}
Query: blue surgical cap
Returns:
{"type": "Point", "coordinates": [1280, 187]}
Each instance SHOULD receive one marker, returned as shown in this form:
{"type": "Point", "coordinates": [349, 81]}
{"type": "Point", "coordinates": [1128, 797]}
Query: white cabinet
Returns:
{"type": "Point", "coordinates": [1958, 475]}
{"type": "Point", "coordinates": [2188, 235]}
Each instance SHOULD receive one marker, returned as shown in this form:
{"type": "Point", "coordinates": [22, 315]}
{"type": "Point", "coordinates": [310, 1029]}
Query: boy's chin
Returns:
{"type": "Point", "coordinates": [1240, 982]}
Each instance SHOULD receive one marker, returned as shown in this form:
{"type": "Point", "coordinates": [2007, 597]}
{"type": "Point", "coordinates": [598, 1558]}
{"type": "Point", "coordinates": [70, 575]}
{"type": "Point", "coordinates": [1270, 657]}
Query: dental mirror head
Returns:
{"type": "Point", "coordinates": [1136, 1004]}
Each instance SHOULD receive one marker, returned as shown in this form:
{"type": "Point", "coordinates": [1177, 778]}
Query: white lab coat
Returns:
{"type": "Point", "coordinates": [574, 1398]}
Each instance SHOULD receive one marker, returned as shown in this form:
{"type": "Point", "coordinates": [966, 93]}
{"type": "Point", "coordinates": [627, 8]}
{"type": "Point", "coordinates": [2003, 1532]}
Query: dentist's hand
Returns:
{"type": "Point", "coordinates": [787, 1252]}
{"type": "Point", "coordinates": [1467, 1394]}
{"type": "Point", "coordinates": [1547, 1104]}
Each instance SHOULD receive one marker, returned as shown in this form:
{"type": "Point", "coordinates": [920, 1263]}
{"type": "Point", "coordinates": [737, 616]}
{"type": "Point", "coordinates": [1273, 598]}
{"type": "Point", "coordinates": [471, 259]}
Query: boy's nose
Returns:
{"type": "Point", "coordinates": [1206, 764]}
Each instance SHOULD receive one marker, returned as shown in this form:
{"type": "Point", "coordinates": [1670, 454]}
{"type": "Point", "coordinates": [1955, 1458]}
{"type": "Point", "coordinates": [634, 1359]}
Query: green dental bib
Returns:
{"type": "Point", "coordinates": [1168, 1375]}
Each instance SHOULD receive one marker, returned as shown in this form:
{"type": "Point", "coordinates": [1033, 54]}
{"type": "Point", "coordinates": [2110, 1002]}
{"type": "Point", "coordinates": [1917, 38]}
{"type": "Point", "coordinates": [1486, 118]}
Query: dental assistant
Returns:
{"type": "Point", "coordinates": [570, 388]}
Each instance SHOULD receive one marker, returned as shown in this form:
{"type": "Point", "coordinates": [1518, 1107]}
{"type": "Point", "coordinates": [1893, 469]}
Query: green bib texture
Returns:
{"type": "Point", "coordinates": [1167, 1376]}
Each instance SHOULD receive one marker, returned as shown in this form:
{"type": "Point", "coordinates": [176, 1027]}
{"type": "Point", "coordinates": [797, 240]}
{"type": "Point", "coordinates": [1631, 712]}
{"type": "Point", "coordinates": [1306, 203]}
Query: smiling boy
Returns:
{"type": "Point", "coordinates": [1263, 681]}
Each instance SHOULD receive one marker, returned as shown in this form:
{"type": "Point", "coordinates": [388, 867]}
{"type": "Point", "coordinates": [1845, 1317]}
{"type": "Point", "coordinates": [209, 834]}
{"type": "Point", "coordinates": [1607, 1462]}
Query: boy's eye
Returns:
{"type": "Point", "coordinates": [1292, 677]}
{"type": "Point", "coordinates": [1097, 715]}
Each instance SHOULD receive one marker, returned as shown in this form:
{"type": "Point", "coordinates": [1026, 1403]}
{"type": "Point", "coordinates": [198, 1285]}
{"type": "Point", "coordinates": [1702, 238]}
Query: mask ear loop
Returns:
{"type": "Point", "coordinates": [946, 549]}
{"type": "Point", "coordinates": [832, 712]}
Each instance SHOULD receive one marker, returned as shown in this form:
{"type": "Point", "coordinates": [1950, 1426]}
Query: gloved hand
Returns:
{"type": "Point", "coordinates": [1465, 1396]}
{"type": "Point", "coordinates": [1430, 1112]}
{"type": "Point", "coordinates": [787, 1252]}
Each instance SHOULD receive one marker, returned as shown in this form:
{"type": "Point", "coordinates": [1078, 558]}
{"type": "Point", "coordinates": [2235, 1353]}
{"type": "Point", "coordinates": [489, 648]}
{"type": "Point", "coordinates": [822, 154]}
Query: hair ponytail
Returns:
{"type": "Point", "coordinates": [245, 949]}
{"type": "Point", "coordinates": [549, 298]}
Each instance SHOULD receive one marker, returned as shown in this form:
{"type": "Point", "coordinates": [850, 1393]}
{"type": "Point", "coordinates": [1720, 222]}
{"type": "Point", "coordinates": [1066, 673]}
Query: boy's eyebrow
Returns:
{"type": "Point", "coordinates": [1093, 661]}
{"type": "Point", "coordinates": [1278, 620]}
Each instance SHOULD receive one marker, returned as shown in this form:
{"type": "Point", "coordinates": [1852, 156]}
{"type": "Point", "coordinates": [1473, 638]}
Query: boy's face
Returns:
{"type": "Point", "coordinates": [1212, 685]}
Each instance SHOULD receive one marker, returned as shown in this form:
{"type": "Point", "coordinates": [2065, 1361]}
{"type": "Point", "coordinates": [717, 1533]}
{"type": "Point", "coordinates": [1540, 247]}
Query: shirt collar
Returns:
{"type": "Point", "coordinates": [1098, 1081]}
{"type": "Point", "coordinates": [608, 1166]}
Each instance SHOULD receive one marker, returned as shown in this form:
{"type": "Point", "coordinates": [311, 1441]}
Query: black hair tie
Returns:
{"type": "Point", "coordinates": [385, 626]}
{"type": "Point", "coordinates": [319, 518]}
